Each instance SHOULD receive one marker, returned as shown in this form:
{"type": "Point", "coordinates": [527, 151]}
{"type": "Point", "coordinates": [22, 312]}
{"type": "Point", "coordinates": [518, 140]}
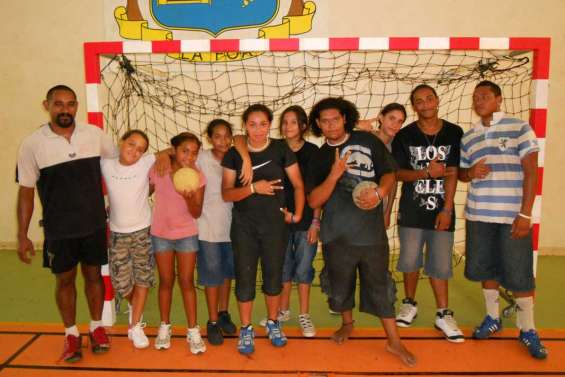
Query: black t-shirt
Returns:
{"type": "Point", "coordinates": [268, 164]}
{"type": "Point", "coordinates": [341, 218]}
{"type": "Point", "coordinates": [303, 155]}
{"type": "Point", "coordinates": [422, 200]}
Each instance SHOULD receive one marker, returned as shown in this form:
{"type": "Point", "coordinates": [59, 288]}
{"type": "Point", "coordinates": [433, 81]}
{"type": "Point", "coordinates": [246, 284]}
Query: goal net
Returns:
{"type": "Point", "coordinates": [167, 93]}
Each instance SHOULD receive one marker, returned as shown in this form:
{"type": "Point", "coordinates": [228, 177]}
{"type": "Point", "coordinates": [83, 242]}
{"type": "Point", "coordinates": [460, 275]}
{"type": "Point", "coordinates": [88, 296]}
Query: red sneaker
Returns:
{"type": "Point", "coordinates": [72, 352]}
{"type": "Point", "coordinates": [99, 341]}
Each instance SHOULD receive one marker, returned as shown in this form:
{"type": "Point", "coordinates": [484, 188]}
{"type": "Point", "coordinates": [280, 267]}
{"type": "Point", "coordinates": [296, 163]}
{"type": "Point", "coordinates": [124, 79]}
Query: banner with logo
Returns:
{"type": "Point", "coordinates": [154, 20]}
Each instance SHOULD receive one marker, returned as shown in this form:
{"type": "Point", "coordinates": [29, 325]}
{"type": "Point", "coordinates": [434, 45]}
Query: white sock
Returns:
{"type": "Point", "coordinates": [525, 313]}
{"type": "Point", "coordinates": [73, 330]}
{"type": "Point", "coordinates": [194, 329]}
{"type": "Point", "coordinates": [94, 325]}
{"type": "Point", "coordinates": [491, 302]}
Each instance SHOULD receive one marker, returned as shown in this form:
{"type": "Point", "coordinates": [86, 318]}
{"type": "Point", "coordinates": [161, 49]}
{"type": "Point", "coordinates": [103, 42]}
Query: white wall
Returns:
{"type": "Point", "coordinates": [43, 39]}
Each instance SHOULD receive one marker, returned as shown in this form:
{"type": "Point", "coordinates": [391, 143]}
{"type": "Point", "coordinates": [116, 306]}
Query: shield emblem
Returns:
{"type": "Point", "coordinates": [213, 16]}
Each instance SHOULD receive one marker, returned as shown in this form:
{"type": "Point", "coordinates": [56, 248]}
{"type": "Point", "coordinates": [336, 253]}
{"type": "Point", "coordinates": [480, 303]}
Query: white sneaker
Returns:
{"type": "Point", "coordinates": [407, 313]}
{"type": "Point", "coordinates": [195, 341]}
{"type": "Point", "coordinates": [163, 340]}
{"type": "Point", "coordinates": [333, 313]}
{"type": "Point", "coordinates": [137, 336]}
{"type": "Point", "coordinates": [308, 329]}
{"type": "Point", "coordinates": [447, 324]}
{"type": "Point", "coordinates": [282, 316]}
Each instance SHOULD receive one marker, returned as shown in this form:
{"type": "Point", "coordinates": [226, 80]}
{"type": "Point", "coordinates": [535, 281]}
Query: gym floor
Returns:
{"type": "Point", "coordinates": [31, 336]}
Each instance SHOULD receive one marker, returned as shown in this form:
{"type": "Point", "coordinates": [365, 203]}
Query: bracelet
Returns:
{"type": "Point", "coordinates": [315, 223]}
{"type": "Point", "coordinates": [447, 210]}
{"type": "Point", "coordinates": [524, 216]}
{"type": "Point", "coordinates": [378, 195]}
{"type": "Point", "coordinates": [428, 175]}
{"type": "Point", "coordinates": [292, 219]}
{"type": "Point", "coordinates": [252, 188]}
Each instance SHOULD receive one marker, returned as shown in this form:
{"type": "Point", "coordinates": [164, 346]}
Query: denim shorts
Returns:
{"type": "Point", "coordinates": [439, 251]}
{"type": "Point", "coordinates": [491, 254]}
{"type": "Point", "coordinates": [298, 258]}
{"type": "Point", "coordinates": [182, 245]}
{"type": "Point", "coordinates": [214, 263]}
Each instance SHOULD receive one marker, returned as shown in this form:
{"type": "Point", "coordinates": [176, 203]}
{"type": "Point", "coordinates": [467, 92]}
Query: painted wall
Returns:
{"type": "Point", "coordinates": [42, 46]}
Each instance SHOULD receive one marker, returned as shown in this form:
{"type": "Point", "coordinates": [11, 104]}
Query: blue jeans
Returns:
{"type": "Point", "coordinates": [182, 245]}
{"type": "Point", "coordinates": [439, 250]}
{"type": "Point", "coordinates": [298, 259]}
{"type": "Point", "coordinates": [491, 254]}
{"type": "Point", "coordinates": [214, 263]}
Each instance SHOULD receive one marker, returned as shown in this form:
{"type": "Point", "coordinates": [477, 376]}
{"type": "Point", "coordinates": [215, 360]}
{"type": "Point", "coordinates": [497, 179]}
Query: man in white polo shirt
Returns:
{"type": "Point", "coordinates": [499, 158]}
{"type": "Point", "coordinates": [62, 159]}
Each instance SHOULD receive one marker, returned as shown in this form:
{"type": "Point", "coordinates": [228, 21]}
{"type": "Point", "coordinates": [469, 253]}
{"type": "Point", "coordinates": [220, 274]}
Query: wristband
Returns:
{"type": "Point", "coordinates": [252, 188]}
{"type": "Point", "coordinates": [524, 216]}
{"type": "Point", "coordinates": [315, 223]}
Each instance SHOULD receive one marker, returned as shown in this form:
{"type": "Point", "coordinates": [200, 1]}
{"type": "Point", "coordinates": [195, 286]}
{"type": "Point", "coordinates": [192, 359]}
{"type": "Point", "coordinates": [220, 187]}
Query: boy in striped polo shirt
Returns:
{"type": "Point", "coordinates": [499, 158]}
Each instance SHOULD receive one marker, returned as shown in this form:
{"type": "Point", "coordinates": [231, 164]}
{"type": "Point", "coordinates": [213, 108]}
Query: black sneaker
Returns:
{"type": "Point", "coordinates": [225, 323]}
{"type": "Point", "coordinates": [215, 336]}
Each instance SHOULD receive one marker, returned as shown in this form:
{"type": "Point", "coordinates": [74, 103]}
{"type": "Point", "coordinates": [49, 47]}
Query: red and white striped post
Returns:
{"type": "Point", "coordinates": [96, 118]}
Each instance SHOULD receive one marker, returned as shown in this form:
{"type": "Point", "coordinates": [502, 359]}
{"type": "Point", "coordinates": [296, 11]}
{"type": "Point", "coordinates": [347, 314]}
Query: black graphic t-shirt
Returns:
{"type": "Point", "coordinates": [268, 164]}
{"type": "Point", "coordinates": [422, 200]}
{"type": "Point", "coordinates": [341, 218]}
{"type": "Point", "coordinates": [304, 155]}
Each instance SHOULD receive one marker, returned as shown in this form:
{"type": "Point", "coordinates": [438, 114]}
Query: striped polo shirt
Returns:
{"type": "Point", "coordinates": [498, 197]}
{"type": "Point", "coordinates": [68, 178]}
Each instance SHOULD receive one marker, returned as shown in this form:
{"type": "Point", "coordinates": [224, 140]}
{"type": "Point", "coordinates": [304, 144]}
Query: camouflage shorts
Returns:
{"type": "Point", "coordinates": [131, 261]}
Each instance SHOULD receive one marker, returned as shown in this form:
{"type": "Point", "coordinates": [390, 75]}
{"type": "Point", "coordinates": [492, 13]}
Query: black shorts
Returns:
{"type": "Point", "coordinates": [339, 277]}
{"type": "Point", "coordinates": [63, 255]}
{"type": "Point", "coordinates": [258, 238]}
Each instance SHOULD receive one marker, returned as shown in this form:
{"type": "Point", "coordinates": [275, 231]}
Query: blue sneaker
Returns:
{"type": "Point", "coordinates": [488, 327]}
{"type": "Point", "coordinates": [277, 337]}
{"type": "Point", "coordinates": [246, 343]}
{"type": "Point", "coordinates": [531, 340]}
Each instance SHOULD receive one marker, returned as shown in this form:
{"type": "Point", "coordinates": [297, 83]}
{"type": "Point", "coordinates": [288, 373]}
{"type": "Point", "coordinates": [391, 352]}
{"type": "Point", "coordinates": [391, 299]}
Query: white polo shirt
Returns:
{"type": "Point", "coordinates": [68, 178]}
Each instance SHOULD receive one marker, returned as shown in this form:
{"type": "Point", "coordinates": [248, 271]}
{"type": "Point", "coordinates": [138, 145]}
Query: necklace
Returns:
{"type": "Point", "coordinates": [295, 147]}
{"type": "Point", "coordinates": [259, 149]}
{"type": "Point", "coordinates": [339, 142]}
{"type": "Point", "coordinates": [433, 142]}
